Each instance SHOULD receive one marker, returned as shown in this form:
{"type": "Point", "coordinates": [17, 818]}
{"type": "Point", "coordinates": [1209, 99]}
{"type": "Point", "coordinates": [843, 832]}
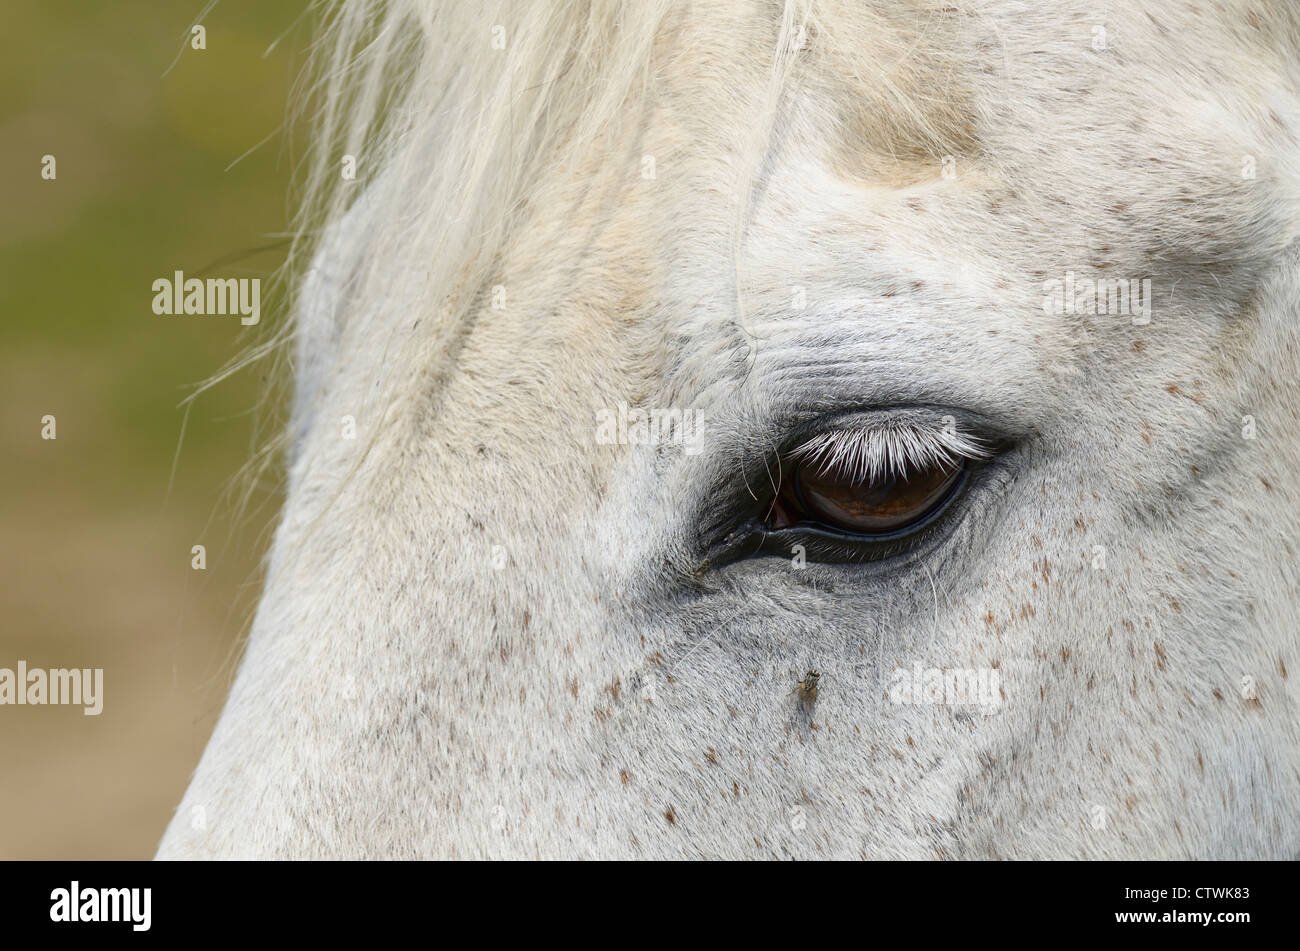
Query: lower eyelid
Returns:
{"type": "Point", "coordinates": [829, 547]}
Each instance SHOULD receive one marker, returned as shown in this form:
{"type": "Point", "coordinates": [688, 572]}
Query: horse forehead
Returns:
{"type": "Point", "coordinates": [1003, 177]}
{"type": "Point", "coordinates": [886, 179]}
{"type": "Point", "coordinates": [914, 146]}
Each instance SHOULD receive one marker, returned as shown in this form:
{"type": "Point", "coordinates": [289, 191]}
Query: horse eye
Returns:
{"type": "Point", "coordinates": [863, 506]}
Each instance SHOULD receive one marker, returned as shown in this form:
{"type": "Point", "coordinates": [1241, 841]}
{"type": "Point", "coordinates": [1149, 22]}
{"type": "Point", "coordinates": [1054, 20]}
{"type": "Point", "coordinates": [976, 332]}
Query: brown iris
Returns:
{"type": "Point", "coordinates": [870, 506]}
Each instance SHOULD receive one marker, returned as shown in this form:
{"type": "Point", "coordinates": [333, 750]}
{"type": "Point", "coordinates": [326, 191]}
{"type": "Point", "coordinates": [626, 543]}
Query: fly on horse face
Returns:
{"type": "Point", "coordinates": [659, 354]}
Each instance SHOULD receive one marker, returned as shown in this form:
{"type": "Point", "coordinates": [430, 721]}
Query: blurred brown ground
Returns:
{"type": "Point", "coordinates": [94, 549]}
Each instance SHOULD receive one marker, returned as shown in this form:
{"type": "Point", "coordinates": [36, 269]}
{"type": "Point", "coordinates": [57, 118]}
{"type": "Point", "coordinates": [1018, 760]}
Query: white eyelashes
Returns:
{"type": "Point", "coordinates": [889, 448]}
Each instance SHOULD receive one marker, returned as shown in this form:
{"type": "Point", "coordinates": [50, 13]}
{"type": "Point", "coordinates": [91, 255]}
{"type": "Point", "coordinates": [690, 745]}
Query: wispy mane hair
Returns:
{"type": "Point", "coordinates": [450, 134]}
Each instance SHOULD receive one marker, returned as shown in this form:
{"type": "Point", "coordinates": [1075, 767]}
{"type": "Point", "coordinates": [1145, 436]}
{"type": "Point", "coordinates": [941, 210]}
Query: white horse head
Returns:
{"type": "Point", "coordinates": [743, 429]}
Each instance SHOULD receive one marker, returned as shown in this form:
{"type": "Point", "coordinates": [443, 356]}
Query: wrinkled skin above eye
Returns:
{"type": "Point", "coordinates": [871, 505]}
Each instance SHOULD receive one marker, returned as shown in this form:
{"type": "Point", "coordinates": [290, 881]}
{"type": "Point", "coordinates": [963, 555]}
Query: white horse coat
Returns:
{"type": "Point", "coordinates": [489, 631]}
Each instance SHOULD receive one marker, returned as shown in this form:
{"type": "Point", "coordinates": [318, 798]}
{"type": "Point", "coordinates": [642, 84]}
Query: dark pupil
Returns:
{"type": "Point", "coordinates": [872, 506]}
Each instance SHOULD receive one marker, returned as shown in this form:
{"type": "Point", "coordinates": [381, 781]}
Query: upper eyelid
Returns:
{"type": "Point", "coordinates": [798, 428]}
{"type": "Point", "coordinates": [891, 447]}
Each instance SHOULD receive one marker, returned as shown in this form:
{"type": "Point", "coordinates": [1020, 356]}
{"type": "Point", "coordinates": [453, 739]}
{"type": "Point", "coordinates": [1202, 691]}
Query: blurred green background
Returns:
{"type": "Point", "coordinates": [94, 548]}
